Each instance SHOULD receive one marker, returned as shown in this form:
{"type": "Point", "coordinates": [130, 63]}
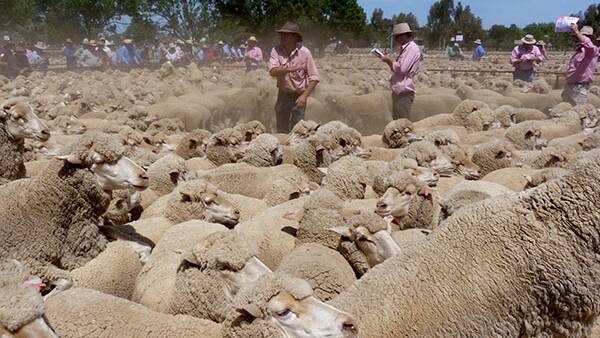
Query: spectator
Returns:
{"type": "Point", "coordinates": [478, 51]}
{"type": "Point", "coordinates": [253, 56]}
{"type": "Point", "coordinates": [541, 45]}
{"type": "Point", "coordinates": [127, 54]}
{"type": "Point", "coordinates": [38, 58]}
{"type": "Point", "coordinates": [15, 61]}
{"type": "Point", "coordinates": [580, 73]}
{"type": "Point", "coordinates": [174, 54]}
{"type": "Point", "coordinates": [297, 76]}
{"type": "Point", "coordinates": [69, 54]}
{"type": "Point", "coordinates": [454, 51]}
{"type": "Point", "coordinates": [524, 57]}
{"type": "Point", "coordinates": [202, 54]}
{"type": "Point", "coordinates": [87, 58]}
{"type": "Point", "coordinates": [403, 69]}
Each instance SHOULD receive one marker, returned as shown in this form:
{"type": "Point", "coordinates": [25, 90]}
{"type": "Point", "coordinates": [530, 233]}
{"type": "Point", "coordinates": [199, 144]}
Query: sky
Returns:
{"type": "Point", "coordinates": [503, 12]}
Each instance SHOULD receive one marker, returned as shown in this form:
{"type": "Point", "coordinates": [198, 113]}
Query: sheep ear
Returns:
{"type": "Point", "coordinates": [97, 158]}
{"type": "Point", "coordinates": [174, 176]}
{"type": "Point", "coordinates": [290, 230]}
{"type": "Point", "coordinates": [323, 170]}
{"type": "Point", "coordinates": [193, 144]}
{"type": "Point", "coordinates": [341, 230]}
{"type": "Point", "coordinates": [249, 310]}
{"type": "Point", "coordinates": [185, 197]}
{"type": "Point", "coordinates": [71, 158]}
{"type": "Point", "coordinates": [500, 154]}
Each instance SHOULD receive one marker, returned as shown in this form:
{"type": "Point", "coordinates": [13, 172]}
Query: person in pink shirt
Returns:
{"type": "Point", "coordinates": [582, 66]}
{"type": "Point", "coordinates": [253, 56]}
{"type": "Point", "coordinates": [403, 69]}
{"type": "Point", "coordinates": [297, 76]}
{"type": "Point", "coordinates": [541, 45]}
{"type": "Point", "coordinates": [524, 57]}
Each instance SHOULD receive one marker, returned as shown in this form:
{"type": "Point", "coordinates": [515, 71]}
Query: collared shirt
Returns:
{"type": "Point", "coordinates": [583, 63]}
{"type": "Point", "coordinates": [478, 52]}
{"type": "Point", "coordinates": [528, 57]}
{"type": "Point", "coordinates": [405, 67]}
{"type": "Point", "coordinates": [88, 59]}
{"type": "Point", "coordinates": [255, 56]}
{"type": "Point", "coordinates": [127, 56]}
{"type": "Point", "coordinates": [297, 81]}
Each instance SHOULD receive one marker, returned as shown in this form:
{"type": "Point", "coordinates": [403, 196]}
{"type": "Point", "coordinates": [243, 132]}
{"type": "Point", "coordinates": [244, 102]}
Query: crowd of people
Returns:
{"type": "Point", "coordinates": [21, 58]}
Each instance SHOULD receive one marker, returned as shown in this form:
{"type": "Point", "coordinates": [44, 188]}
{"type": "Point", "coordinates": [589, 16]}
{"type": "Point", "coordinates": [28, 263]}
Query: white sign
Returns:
{"type": "Point", "coordinates": [459, 38]}
{"type": "Point", "coordinates": [563, 23]}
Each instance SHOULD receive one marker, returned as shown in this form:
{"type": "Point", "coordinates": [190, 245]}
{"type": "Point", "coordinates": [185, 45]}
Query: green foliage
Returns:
{"type": "Point", "coordinates": [380, 28]}
{"type": "Point", "coordinates": [141, 29]}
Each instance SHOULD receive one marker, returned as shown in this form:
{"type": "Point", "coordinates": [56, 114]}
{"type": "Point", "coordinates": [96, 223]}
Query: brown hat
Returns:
{"type": "Point", "coordinates": [401, 28]}
{"type": "Point", "coordinates": [292, 28]}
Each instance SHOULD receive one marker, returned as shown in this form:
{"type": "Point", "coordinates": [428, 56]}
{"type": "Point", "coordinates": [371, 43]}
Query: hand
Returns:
{"type": "Point", "coordinates": [296, 68]}
{"type": "Point", "coordinates": [387, 59]}
{"type": "Point", "coordinates": [574, 28]}
{"type": "Point", "coordinates": [301, 101]}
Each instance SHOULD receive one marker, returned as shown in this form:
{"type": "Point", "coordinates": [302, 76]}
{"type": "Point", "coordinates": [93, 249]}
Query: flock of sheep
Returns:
{"type": "Point", "coordinates": [157, 203]}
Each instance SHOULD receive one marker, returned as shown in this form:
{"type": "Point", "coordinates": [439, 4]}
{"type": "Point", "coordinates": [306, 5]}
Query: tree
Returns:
{"type": "Point", "coordinates": [467, 23]}
{"type": "Point", "coordinates": [182, 18]}
{"type": "Point", "coordinates": [439, 22]}
{"type": "Point", "coordinates": [141, 29]}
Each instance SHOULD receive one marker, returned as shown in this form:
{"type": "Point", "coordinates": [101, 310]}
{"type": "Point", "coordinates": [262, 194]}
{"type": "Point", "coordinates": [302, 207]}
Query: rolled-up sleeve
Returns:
{"type": "Point", "coordinates": [590, 48]}
{"type": "Point", "coordinates": [514, 58]}
{"type": "Point", "coordinates": [311, 68]}
{"type": "Point", "coordinates": [274, 60]}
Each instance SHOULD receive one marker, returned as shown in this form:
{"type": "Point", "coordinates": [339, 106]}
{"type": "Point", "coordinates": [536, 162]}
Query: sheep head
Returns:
{"type": "Point", "coordinates": [302, 130]}
{"type": "Point", "coordinates": [287, 306]}
{"type": "Point", "coordinates": [401, 191]}
{"type": "Point", "coordinates": [399, 133]}
{"type": "Point", "coordinates": [103, 155]}
{"type": "Point", "coordinates": [22, 122]}
{"type": "Point", "coordinates": [371, 234]}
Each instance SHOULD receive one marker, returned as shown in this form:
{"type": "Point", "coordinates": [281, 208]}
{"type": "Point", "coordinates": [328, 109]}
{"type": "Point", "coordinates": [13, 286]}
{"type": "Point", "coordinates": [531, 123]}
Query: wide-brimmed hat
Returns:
{"type": "Point", "coordinates": [220, 43]}
{"type": "Point", "coordinates": [189, 41]}
{"type": "Point", "coordinates": [93, 43]}
{"type": "Point", "coordinates": [85, 42]}
{"type": "Point", "coordinates": [179, 42]}
{"type": "Point", "coordinates": [401, 28]}
{"type": "Point", "coordinates": [587, 30]}
{"type": "Point", "coordinates": [68, 41]}
{"type": "Point", "coordinates": [172, 45]}
{"type": "Point", "coordinates": [477, 42]}
{"type": "Point", "coordinates": [40, 45]}
{"type": "Point", "coordinates": [252, 38]}
{"type": "Point", "coordinates": [541, 43]}
{"type": "Point", "coordinates": [204, 46]}
{"type": "Point", "coordinates": [291, 28]}
{"type": "Point", "coordinates": [109, 43]}
{"type": "Point", "coordinates": [127, 41]}
{"type": "Point", "coordinates": [528, 39]}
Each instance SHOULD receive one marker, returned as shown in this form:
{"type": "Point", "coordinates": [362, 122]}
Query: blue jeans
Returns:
{"type": "Point", "coordinates": [525, 75]}
{"type": "Point", "coordinates": [287, 113]}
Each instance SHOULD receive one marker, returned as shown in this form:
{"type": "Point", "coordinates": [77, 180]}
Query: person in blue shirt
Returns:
{"type": "Point", "coordinates": [69, 53]}
{"type": "Point", "coordinates": [478, 51]}
{"type": "Point", "coordinates": [127, 55]}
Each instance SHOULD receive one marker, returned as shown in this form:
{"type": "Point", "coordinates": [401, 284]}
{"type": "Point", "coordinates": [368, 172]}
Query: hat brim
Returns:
{"type": "Point", "coordinates": [528, 42]}
{"type": "Point", "coordinates": [400, 33]}
{"type": "Point", "coordinates": [285, 31]}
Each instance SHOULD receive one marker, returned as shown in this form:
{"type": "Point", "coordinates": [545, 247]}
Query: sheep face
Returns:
{"type": "Point", "coordinates": [214, 208]}
{"type": "Point", "coordinates": [305, 318]}
{"type": "Point", "coordinates": [236, 280]}
{"type": "Point", "coordinates": [35, 329]}
{"type": "Point", "coordinates": [376, 247]}
{"type": "Point", "coordinates": [401, 138]}
{"type": "Point", "coordinates": [395, 203]}
{"type": "Point", "coordinates": [534, 140]}
{"type": "Point", "coordinates": [122, 174]}
{"type": "Point", "coordinates": [442, 165]}
{"type": "Point", "coordinates": [425, 175]}
{"type": "Point", "coordinates": [22, 122]}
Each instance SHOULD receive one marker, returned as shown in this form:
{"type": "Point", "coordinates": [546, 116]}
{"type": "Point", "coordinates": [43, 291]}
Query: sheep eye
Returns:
{"type": "Point", "coordinates": [283, 313]}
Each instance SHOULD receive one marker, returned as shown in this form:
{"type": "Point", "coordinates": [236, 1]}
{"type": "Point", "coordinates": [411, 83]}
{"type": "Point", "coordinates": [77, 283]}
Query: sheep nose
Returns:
{"type": "Point", "coordinates": [144, 176]}
{"type": "Point", "coordinates": [349, 327]}
{"type": "Point", "coordinates": [381, 205]}
{"type": "Point", "coordinates": [45, 134]}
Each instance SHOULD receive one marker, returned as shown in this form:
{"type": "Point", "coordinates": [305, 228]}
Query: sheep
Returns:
{"type": "Point", "coordinates": [468, 192]}
{"type": "Point", "coordinates": [155, 283]}
{"type": "Point", "coordinates": [526, 136]}
{"type": "Point", "coordinates": [546, 282]}
{"type": "Point", "coordinates": [59, 231]}
{"type": "Point", "coordinates": [518, 115]}
{"type": "Point", "coordinates": [442, 137]}
{"type": "Point", "coordinates": [548, 157]}
{"type": "Point", "coordinates": [279, 305]}
{"type": "Point", "coordinates": [371, 235]}
{"type": "Point", "coordinates": [408, 202]}
{"type": "Point", "coordinates": [398, 133]}
{"type": "Point", "coordinates": [428, 155]}
{"type": "Point", "coordinates": [347, 178]}
{"type": "Point", "coordinates": [224, 146]}
{"type": "Point", "coordinates": [263, 151]}
{"type": "Point", "coordinates": [591, 141]}
{"type": "Point", "coordinates": [464, 109]}
{"type": "Point", "coordinates": [213, 272]}
{"type": "Point", "coordinates": [80, 312]}
{"type": "Point", "coordinates": [542, 176]}
{"type": "Point", "coordinates": [301, 131]}
{"type": "Point", "coordinates": [348, 139]}
{"type": "Point", "coordinates": [164, 175]}
{"type": "Point", "coordinates": [482, 119]}
{"type": "Point", "coordinates": [17, 122]}
{"type": "Point", "coordinates": [250, 130]}
{"type": "Point", "coordinates": [124, 207]}
{"type": "Point", "coordinates": [513, 178]}
{"type": "Point", "coordinates": [493, 156]}
{"type": "Point", "coordinates": [316, 152]}
{"type": "Point", "coordinates": [322, 210]}
{"type": "Point", "coordinates": [193, 145]}
{"type": "Point", "coordinates": [21, 305]}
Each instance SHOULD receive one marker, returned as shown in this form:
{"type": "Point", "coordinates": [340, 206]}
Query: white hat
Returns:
{"type": "Point", "coordinates": [172, 45]}
{"type": "Point", "coordinates": [221, 43]}
{"type": "Point", "coordinates": [252, 38]}
{"type": "Point", "coordinates": [587, 30]}
{"type": "Point", "coordinates": [127, 41]}
{"type": "Point", "coordinates": [401, 28]}
{"type": "Point", "coordinates": [477, 42]}
{"type": "Point", "coordinates": [528, 39]}
{"type": "Point", "coordinates": [40, 45]}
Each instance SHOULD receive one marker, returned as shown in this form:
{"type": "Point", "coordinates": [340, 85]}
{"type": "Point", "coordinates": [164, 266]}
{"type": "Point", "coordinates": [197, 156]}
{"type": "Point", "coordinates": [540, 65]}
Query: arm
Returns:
{"type": "Point", "coordinates": [515, 58]}
{"type": "Point", "coordinates": [275, 69]}
{"type": "Point", "coordinates": [405, 65]}
{"type": "Point", "coordinates": [313, 80]}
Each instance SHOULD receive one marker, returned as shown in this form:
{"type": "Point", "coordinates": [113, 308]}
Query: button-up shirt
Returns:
{"type": "Point", "coordinates": [405, 67]}
{"type": "Point", "coordinates": [128, 56]}
{"type": "Point", "coordinates": [297, 81]}
{"type": "Point", "coordinates": [478, 52]}
{"type": "Point", "coordinates": [527, 57]}
{"type": "Point", "coordinates": [583, 63]}
{"type": "Point", "coordinates": [254, 55]}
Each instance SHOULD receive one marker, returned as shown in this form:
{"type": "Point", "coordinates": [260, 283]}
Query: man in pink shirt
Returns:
{"type": "Point", "coordinates": [297, 76]}
{"type": "Point", "coordinates": [403, 69]}
{"type": "Point", "coordinates": [253, 56]}
{"type": "Point", "coordinates": [524, 57]}
{"type": "Point", "coordinates": [580, 72]}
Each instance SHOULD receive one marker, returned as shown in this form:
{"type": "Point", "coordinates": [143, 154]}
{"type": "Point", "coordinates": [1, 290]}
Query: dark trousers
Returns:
{"type": "Point", "coordinates": [287, 114]}
{"type": "Point", "coordinates": [524, 75]}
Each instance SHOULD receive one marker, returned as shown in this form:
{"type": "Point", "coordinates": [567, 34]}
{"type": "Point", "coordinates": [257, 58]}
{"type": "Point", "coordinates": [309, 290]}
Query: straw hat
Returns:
{"type": "Point", "coordinates": [109, 43]}
{"type": "Point", "coordinates": [528, 39]}
{"type": "Point", "coordinates": [85, 42]}
{"type": "Point", "coordinates": [40, 45]}
{"type": "Point", "coordinates": [477, 42]}
{"type": "Point", "coordinates": [172, 45]}
{"type": "Point", "coordinates": [68, 41]}
{"type": "Point", "coordinates": [189, 41]}
{"type": "Point", "coordinates": [93, 43]}
{"type": "Point", "coordinates": [541, 43]}
{"type": "Point", "coordinates": [451, 39]}
{"type": "Point", "coordinates": [291, 28]}
{"type": "Point", "coordinates": [587, 30]}
{"type": "Point", "coordinates": [179, 42]}
{"type": "Point", "coordinates": [252, 38]}
{"type": "Point", "coordinates": [127, 41]}
{"type": "Point", "coordinates": [401, 28]}
{"type": "Point", "coordinates": [221, 43]}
